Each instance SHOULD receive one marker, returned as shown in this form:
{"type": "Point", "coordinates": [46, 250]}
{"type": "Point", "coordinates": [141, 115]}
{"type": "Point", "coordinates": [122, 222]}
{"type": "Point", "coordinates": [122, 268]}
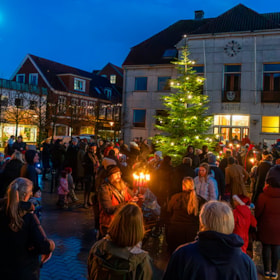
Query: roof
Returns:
{"type": "Point", "coordinates": [51, 71]}
{"type": "Point", "coordinates": [239, 18]}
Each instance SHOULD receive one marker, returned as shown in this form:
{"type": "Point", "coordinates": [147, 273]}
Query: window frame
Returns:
{"type": "Point", "coordinates": [31, 75]}
{"type": "Point", "coordinates": [278, 128]}
{"type": "Point", "coordinates": [33, 104]}
{"type": "Point", "coordinates": [113, 79]}
{"type": "Point", "coordinates": [166, 86]}
{"type": "Point", "coordinates": [138, 88]}
{"type": "Point", "coordinates": [17, 78]}
{"type": "Point", "coordinates": [79, 81]}
{"type": "Point", "coordinates": [139, 124]}
{"type": "Point", "coordinates": [61, 102]}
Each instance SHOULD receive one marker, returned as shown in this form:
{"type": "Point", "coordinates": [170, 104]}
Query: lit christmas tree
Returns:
{"type": "Point", "coordinates": [186, 121]}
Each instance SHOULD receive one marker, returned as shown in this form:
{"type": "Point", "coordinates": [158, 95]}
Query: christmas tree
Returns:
{"type": "Point", "coordinates": [186, 121]}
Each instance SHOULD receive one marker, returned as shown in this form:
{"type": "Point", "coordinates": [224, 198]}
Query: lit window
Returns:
{"type": "Point", "coordinates": [140, 83]}
{"type": "Point", "coordinates": [91, 107]}
{"type": "Point", "coordinates": [79, 84]}
{"type": "Point", "coordinates": [83, 107]}
{"type": "Point", "coordinates": [238, 120]}
{"type": "Point", "coordinates": [33, 79]}
{"type": "Point", "coordinates": [222, 120]}
{"type": "Point", "coordinates": [20, 78]}
{"type": "Point", "coordinates": [61, 103]}
{"type": "Point", "coordinates": [163, 83]}
{"type": "Point", "coordinates": [75, 105]}
{"type": "Point", "coordinates": [270, 124]}
{"type": "Point", "coordinates": [113, 79]}
{"type": "Point", "coordinates": [232, 83]}
{"type": "Point", "coordinates": [139, 118]}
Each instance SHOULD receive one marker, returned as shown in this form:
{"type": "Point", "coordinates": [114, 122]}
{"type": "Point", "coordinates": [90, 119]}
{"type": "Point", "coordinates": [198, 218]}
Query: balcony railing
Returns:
{"type": "Point", "coordinates": [8, 84]}
{"type": "Point", "coordinates": [231, 96]}
{"type": "Point", "coordinates": [270, 96]}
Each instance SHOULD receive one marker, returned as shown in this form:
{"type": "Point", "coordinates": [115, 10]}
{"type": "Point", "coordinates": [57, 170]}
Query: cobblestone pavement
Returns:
{"type": "Point", "coordinates": [73, 233]}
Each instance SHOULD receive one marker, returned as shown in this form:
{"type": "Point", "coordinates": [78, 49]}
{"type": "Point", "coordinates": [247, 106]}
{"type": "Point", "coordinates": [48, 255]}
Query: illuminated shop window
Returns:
{"type": "Point", "coordinates": [270, 124]}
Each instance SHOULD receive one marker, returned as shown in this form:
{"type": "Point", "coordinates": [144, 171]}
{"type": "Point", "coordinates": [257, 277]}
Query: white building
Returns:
{"type": "Point", "coordinates": [238, 53]}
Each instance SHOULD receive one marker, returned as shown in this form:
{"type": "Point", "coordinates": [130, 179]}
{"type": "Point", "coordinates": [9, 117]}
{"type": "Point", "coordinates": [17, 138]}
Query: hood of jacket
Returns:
{"type": "Point", "coordinates": [243, 210]}
{"type": "Point", "coordinates": [218, 247]}
{"type": "Point", "coordinates": [115, 258]}
{"type": "Point", "coordinates": [271, 192]}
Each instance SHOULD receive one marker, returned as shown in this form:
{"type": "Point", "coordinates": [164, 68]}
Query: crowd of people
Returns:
{"type": "Point", "coordinates": [216, 201]}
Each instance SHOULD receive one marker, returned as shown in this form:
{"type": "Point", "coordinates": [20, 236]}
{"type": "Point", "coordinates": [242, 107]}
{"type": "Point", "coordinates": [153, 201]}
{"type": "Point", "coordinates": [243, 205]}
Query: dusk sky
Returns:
{"type": "Point", "coordinates": [88, 34]}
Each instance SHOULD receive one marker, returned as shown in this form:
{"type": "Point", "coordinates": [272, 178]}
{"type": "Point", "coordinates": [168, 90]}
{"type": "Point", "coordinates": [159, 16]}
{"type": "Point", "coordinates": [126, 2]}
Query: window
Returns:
{"type": "Point", "coordinates": [32, 105]}
{"type": "Point", "coordinates": [139, 118]}
{"type": "Point", "coordinates": [4, 101]}
{"type": "Point", "coordinates": [169, 53]}
{"type": "Point", "coordinates": [91, 108]}
{"type": "Point", "coordinates": [199, 70]}
{"type": "Point", "coordinates": [33, 79]}
{"type": "Point", "coordinates": [75, 106]}
{"type": "Point", "coordinates": [79, 84]}
{"type": "Point", "coordinates": [163, 83]}
{"type": "Point", "coordinates": [61, 104]}
{"type": "Point", "coordinates": [140, 83]}
{"type": "Point", "coordinates": [20, 78]}
{"type": "Point", "coordinates": [19, 102]}
{"type": "Point", "coordinates": [108, 93]}
{"type": "Point", "coordinates": [83, 107]}
{"type": "Point", "coordinates": [109, 113]}
{"type": "Point", "coordinates": [271, 77]}
{"type": "Point", "coordinates": [232, 78]}
{"type": "Point", "coordinates": [113, 79]}
{"type": "Point", "coordinates": [270, 124]}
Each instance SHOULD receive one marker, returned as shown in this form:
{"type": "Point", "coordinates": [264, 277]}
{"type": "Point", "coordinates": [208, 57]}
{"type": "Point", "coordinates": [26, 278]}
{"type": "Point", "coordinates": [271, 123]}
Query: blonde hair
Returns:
{"type": "Point", "coordinates": [216, 216]}
{"type": "Point", "coordinates": [127, 228]}
{"type": "Point", "coordinates": [192, 204]}
{"type": "Point", "coordinates": [17, 155]}
{"type": "Point", "coordinates": [17, 190]}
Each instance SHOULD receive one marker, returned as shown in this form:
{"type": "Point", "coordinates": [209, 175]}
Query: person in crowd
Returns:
{"type": "Point", "coordinates": [24, 245]}
{"type": "Point", "coordinates": [63, 190]}
{"type": "Point", "coordinates": [267, 213]}
{"type": "Point", "coordinates": [180, 172]}
{"type": "Point", "coordinates": [29, 170]}
{"type": "Point", "coordinates": [134, 153]}
{"type": "Point", "coordinates": [145, 149]}
{"type": "Point", "coordinates": [71, 157]}
{"type": "Point", "coordinates": [46, 157]}
{"type": "Point", "coordinates": [119, 255]}
{"type": "Point", "coordinates": [245, 140]}
{"type": "Point", "coordinates": [236, 176]}
{"type": "Point", "coordinates": [58, 151]}
{"type": "Point", "coordinates": [2, 162]}
{"type": "Point", "coordinates": [80, 166]}
{"type": "Point", "coordinates": [261, 173]}
{"type": "Point", "coordinates": [91, 165]}
{"type": "Point", "coordinates": [216, 254]}
{"type": "Point", "coordinates": [184, 207]}
{"type": "Point", "coordinates": [100, 149]}
{"type": "Point", "coordinates": [71, 184]}
{"type": "Point", "coordinates": [11, 172]}
{"type": "Point", "coordinates": [243, 218]}
{"type": "Point", "coordinates": [218, 174]}
{"type": "Point", "coordinates": [19, 145]}
{"type": "Point", "coordinates": [111, 195]}
{"type": "Point", "coordinates": [109, 146]}
{"type": "Point", "coordinates": [195, 159]}
{"type": "Point", "coordinates": [10, 145]}
{"type": "Point", "coordinates": [155, 162]}
{"type": "Point", "coordinates": [224, 162]}
{"type": "Point", "coordinates": [203, 156]}
{"type": "Point", "coordinates": [205, 184]}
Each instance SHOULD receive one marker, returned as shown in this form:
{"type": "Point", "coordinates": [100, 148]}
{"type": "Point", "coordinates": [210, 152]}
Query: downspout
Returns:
{"type": "Point", "coordinates": [255, 69]}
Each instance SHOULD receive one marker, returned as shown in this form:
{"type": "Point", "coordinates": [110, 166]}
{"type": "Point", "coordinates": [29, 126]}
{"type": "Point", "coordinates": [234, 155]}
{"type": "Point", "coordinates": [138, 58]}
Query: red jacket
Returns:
{"type": "Point", "coordinates": [267, 213]}
{"type": "Point", "coordinates": [243, 219]}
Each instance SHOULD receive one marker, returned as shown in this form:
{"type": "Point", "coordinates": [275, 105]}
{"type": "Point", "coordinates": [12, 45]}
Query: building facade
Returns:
{"type": "Point", "coordinates": [237, 52]}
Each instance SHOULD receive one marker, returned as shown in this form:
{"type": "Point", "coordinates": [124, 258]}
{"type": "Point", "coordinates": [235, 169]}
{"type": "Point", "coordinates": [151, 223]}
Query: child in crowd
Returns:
{"type": "Point", "coordinates": [63, 190]}
{"type": "Point", "coordinates": [243, 218]}
{"type": "Point", "coordinates": [71, 185]}
{"type": "Point", "coordinates": [36, 201]}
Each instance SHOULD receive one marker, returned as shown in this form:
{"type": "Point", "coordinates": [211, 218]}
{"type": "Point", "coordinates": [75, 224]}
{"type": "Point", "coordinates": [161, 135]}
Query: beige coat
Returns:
{"type": "Point", "coordinates": [236, 176]}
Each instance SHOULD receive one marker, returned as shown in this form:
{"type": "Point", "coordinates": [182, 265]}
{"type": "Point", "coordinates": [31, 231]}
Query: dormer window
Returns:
{"type": "Point", "coordinates": [20, 78]}
{"type": "Point", "coordinates": [113, 79]}
{"type": "Point", "coordinates": [108, 93]}
{"type": "Point", "coordinates": [33, 79]}
{"type": "Point", "coordinates": [79, 84]}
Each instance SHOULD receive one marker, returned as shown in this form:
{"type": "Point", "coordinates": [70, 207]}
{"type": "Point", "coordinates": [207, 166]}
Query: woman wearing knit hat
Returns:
{"type": "Point", "coordinates": [243, 218]}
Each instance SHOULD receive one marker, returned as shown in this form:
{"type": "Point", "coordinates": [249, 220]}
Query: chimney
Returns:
{"type": "Point", "coordinates": [198, 15]}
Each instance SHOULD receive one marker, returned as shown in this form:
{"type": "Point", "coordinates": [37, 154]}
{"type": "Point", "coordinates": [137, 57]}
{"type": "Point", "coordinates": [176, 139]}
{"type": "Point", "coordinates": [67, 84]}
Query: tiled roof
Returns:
{"type": "Point", "coordinates": [51, 69]}
{"type": "Point", "coordinates": [239, 18]}
{"type": "Point", "coordinates": [152, 50]}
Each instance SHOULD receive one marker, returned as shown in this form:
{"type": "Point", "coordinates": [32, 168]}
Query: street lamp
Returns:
{"type": "Point", "coordinates": [111, 124]}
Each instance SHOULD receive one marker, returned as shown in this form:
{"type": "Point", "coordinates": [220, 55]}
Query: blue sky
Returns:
{"type": "Point", "coordinates": [88, 34]}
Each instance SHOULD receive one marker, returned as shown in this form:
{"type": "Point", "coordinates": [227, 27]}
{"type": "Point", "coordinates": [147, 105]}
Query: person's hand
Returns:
{"type": "Point", "coordinates": [134, 199]}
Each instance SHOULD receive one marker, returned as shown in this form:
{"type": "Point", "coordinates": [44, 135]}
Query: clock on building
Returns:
{"type": "Point", "coordinates": [232, 48]}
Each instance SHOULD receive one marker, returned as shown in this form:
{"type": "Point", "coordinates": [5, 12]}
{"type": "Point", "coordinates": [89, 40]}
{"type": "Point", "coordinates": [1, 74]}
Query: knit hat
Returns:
{"type": "Point", "coordinates": [211, 158]}
{"type": "Point", "coordinates": [107, 162]}
{"type": "Point", "coordinates": [158, 153]}
{"type": "Point", "coordinates": [241, 199]}
{"type": "Point", "coordinates": [112, 169]}
{"type": "Point", "coordinates": [273, 176]}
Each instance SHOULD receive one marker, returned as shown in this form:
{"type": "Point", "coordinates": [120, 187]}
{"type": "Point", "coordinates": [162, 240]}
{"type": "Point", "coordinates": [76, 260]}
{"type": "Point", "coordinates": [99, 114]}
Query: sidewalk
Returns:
{"type": "Point", "coordinates": [73, 233]}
